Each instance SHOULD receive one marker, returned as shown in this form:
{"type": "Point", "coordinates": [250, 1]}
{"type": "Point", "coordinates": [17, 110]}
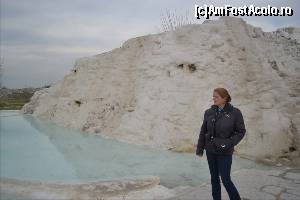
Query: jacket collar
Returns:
{"type": "Point", "coordinates": [227, 107]}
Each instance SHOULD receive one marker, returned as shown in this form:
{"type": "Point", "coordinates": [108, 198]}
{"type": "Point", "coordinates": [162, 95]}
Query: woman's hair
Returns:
{"type": "Point", "coordinates": [223, 93]}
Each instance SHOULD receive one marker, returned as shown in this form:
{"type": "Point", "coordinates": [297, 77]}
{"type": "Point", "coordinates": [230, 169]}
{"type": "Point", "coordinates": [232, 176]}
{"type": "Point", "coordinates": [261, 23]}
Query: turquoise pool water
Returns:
{"type": "Point", "coordinates": [33, 149]}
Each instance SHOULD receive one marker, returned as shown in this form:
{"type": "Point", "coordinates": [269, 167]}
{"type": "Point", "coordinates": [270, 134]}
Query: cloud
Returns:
{"type": "Point", "coordinates": [44, 38]}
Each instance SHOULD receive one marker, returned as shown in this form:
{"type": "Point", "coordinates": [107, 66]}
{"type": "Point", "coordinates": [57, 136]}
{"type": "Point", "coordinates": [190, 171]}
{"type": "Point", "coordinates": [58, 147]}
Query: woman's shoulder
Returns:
{"type": "Point", "coordinates": [211, 110]}
{"type": "Point", "coordinates": [229, 108]}
{"type": "Point", "coordinates": [236, 111]}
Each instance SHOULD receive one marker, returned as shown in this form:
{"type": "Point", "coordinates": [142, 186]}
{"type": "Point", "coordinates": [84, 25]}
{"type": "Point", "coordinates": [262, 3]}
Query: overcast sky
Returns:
{"type": "Point", "coordinates": [41, 39]}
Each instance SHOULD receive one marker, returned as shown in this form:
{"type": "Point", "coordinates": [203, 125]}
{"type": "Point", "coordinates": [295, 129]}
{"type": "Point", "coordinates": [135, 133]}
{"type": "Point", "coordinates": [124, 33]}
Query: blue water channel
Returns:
{"type": "Point", "coordinates": [34, 149]}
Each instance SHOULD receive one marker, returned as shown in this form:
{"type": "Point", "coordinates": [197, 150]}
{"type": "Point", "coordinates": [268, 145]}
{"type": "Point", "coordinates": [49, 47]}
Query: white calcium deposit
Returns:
{"type": "Point", "coordinates": [154, 89]}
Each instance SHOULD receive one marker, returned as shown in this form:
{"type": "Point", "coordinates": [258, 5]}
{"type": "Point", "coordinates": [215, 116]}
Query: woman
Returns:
{"type": "Point", "coordinates": [222, 122]}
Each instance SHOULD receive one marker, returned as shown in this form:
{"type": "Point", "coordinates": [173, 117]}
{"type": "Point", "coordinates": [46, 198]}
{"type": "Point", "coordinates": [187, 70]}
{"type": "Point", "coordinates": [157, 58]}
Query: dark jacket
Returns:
{"type": "Point", "coordinates": [229, 124]}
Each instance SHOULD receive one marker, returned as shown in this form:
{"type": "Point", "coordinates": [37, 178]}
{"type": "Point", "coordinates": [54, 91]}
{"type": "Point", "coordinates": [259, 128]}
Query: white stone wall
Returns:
{"type": "Point", "coordinates": [154, 89]}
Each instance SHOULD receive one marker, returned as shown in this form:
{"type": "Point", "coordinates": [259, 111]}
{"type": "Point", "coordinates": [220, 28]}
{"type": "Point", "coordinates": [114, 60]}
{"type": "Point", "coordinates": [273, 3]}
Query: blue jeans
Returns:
{"type": "Point", "coordinates": [221, 164]}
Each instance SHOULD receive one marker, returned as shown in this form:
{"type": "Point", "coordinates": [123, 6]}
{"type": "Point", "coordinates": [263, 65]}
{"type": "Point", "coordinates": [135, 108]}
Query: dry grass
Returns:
{"type": "Point", "coordinates": [171, 20]}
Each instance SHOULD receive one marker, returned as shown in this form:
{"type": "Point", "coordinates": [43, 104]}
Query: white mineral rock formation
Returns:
{"type": "Point", "coordinates": [154, 89]}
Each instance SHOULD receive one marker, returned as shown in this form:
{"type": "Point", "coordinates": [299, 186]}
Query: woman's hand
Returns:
{"type": "Point", "coordinates": [200, 154]}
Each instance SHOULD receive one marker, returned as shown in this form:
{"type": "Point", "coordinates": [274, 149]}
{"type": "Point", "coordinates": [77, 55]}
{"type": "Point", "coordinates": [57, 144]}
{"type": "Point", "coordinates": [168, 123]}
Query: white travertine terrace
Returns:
{"type": "Point", "coordinates": [154, 89]}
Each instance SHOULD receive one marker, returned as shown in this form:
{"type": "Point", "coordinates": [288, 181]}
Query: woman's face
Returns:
{"type": "Point", "coordinates": [218, 100]}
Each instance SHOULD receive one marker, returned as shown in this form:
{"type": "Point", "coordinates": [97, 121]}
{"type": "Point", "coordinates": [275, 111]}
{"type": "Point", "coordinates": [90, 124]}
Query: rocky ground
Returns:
{"type": "Point", "coordinates": [254, 184]}
{"type": "Point", "coordinates": [280, 183]}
